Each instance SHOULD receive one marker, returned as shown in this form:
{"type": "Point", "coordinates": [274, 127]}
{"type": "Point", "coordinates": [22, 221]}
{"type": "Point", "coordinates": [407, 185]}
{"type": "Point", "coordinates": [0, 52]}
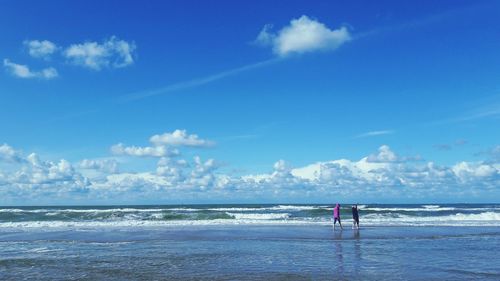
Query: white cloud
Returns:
{"type": "Point", "coordinates": [104, 165]}
{"type": "Point", "coordinates": [470, 171]}
{"type": "Point", "coordinates": [148, 151]}
{"type": "Point", "coordinates": [180, 138]}
{"type": "Point", "coordinates": [110, 53]}
{"type": "Point", "coordinates": [47, 172]}
{"type": "Point", "coordinates": [162, 145]}
{"type": "Point", "coordinates": [40, 49]}
{"type": "Point", "coordinates": [7, 153]}
{"type": "Point", "coordinates": [35, 179]}
{"type": "Point", "coordinates": [383, 174]}
{"type": "Point", "coordinates": [172, 170]}
{"type": "Point", "coordinates": [385, 154]}
{"type": "Point", "coordinates": [113, 52]}
{"type": "Point", "coordinates": [301, 36]}
{"type": "Point", "coordinates": [23, 71]}
{"type": "Point", "coordinates": [266, 37]}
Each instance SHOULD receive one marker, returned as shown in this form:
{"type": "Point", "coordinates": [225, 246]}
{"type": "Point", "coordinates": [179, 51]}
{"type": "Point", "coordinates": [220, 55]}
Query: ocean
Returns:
{"type": "Point", "coordinates": [250, 242]}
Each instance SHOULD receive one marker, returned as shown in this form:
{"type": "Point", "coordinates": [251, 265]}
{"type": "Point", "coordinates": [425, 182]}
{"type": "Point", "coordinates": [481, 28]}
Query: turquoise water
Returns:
{"type": "Point", "coordinates": [109, 243]}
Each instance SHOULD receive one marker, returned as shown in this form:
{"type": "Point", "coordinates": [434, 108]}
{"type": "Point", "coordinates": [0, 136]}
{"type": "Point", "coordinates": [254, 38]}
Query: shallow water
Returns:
{"type": "Point", "coordinates": [250, 252]}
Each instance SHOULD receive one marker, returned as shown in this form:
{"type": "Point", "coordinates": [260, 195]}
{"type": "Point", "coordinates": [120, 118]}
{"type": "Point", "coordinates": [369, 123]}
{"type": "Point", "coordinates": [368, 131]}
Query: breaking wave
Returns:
{"type": "Point", "coordinates": [160, 216]}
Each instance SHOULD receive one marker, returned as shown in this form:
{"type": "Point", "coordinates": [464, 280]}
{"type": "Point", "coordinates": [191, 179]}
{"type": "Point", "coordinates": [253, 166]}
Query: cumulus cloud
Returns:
{"type": "Point", "coordinates": [385, 154]}
{"type": "Point", "coordinates": [113, 52]}
{"type": "Point", "coordinates": [402, 179]}
{"type": "Point", "coordinates": [471, 171]}
{"type": "Point", "coordinates": [302, 35]}
{"type": "Point", "coordinates": [180, 138]}
{"type": "Point", "coordinates": [35, 179]}
{"type": "Point", "coordinates": [7, 153]}
{"type": "Point", "coordinates": [104, 165]}
{"type": "Point", "coordinates": [148, 151]}
{"type": "Point", "coordinates": [23, 71]}
{"type": "Point", "coordinates": [163, 145]}
{"type": "Point", "coordinates": [40, 49]}
{"type": "Point", "coordinates": [383, 174]}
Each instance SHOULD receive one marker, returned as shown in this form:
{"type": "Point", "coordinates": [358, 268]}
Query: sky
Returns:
{"type": "Point", "coordinates": [176, 102]}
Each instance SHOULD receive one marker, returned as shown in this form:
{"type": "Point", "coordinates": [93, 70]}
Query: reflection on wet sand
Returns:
{"type": "Point", "coordinates": [337, 235]}
{"type": "Point", "coordinates": [357, 251]}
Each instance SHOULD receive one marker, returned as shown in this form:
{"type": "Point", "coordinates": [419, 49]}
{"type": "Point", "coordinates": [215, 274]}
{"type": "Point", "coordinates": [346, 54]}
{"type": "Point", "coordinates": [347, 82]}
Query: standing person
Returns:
{"type": "Point", "coordinates": [355, 217]}
{"type": "Point", "coordinates": [336, 216]}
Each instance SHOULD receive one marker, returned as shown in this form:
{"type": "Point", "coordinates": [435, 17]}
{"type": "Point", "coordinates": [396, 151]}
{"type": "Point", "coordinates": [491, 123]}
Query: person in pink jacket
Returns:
{"type": "Point", "coordinates": [336, 216]}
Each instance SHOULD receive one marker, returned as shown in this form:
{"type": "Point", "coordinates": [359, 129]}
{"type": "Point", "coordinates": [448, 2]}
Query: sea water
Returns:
{"type": "Point", "coordinates": [250, 242]}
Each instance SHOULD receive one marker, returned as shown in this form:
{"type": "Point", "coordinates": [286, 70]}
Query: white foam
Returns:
{"type": "Point", "coordinates": [157, 215]}
{"type": "Point", "coordinates": [233, 209]}
{"type": "Point", "coordinates": [43, 250]}
{"type": "Point", "coordinates": [257, 216]}
{"type": "Point", "coordinates": [436, 220]}
{"type": "Point", "coordinates": [81, 210]}
{"type": "Point", "coordinates": [141, 223]}
{"type": "Point", "coordinates": [381, 209]}
{"type": "Point", "coordinates": [295, 207]}
{"type": "Point", "coordinates": [431, 206]}
{"type": "Point", "coordinates": [274, 208]}
{"type": "Point", "coordinates": [11, 210]}
{"type": "Point", "coordinates": [459, 219]}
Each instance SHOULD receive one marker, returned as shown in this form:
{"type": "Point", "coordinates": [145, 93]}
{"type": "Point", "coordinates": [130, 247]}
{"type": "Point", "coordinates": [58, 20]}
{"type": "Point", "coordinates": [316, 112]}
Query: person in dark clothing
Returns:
{"type": "Point", "coordinates": [355, 217]}
{"type": "Point", "coordinates": [336, 216]}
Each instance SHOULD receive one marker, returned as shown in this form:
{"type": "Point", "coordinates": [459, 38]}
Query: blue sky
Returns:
{"type": "Point", "coordinates": [411, 88]}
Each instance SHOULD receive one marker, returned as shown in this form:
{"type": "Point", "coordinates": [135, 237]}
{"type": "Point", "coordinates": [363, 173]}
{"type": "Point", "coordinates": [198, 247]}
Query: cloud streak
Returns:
{"type": "Point", "coordinates": [374, 134]}
{"type": "Point", "coordinates": [195, 82]}
{"type": "Point", "coordinates": [421, 22]}
{"type": "Point", "coordinates": [485, 109]}
{"type": "Point", "coordinates": [301, 36]}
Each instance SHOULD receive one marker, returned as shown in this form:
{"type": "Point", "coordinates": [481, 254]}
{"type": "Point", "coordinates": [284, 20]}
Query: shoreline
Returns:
{"type": "Point", "coordinates": [207, 232]}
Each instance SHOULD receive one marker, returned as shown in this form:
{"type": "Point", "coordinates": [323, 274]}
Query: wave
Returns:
{"type": "Point", "coordinates": [146, 223]}
{"type": "Point", "coordinates": [227, 218]}
{"type": "Point", "coordinates": [273, 208]}
{"type": "Point", "coordinates": [424, 209]}
{"type": "Point", "coordinates": [431, 206]}
{"type": "Point", "coordinates": [78, 210]}
{"type": "Point", "coordinates": [290, 208]}
{"type": "Point", "coordinates": [459, 217]}
{"type": "Point", "coordinates": [266, 216]}
{"type": "Point", "coordinates": [129, 216]}
{"type": "Point", "coordinates": [296, 207]}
